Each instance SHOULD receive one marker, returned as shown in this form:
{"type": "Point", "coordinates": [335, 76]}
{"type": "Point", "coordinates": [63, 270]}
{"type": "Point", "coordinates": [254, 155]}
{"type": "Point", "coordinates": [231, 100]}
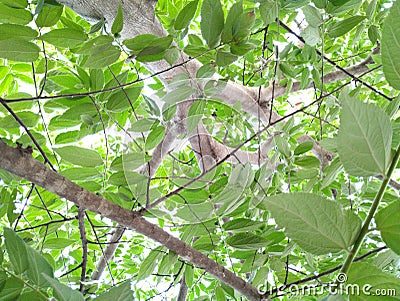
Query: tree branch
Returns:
{"type": "Point", "coordinates": [23, 165]}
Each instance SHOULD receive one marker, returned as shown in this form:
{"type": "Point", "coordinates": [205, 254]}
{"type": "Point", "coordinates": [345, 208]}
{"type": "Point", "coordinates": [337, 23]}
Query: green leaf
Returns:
{"type": "Point", "coordinates": [79, 156]}
{"type": "Point", "coordinates": [316, 224]}
{"type": "Point", "coordinates": [57, 243]}
{"type": "Point", "coordinates": [80, 173]}
{"type": "Point", "coordinates": [121, 292]}
{"type": "Point", "coordinates": [121, 100]}
{"type": "Point", "coordinates": [340, 28]}
{"type": "Point", "coordinates": [118, 21]}
{"type": "Point", "coordinates": [17, 32]}
{"type": "Point", "coordinates": [154, 138]}
{"type": "Point", "coordinates": [282, 145]}
{"type": "Point", "coordinates": [148, 265]}
{"type": "Point", "coordinates": [130, 161]}
{"type": "Point", "coordinates": [390, 49]}
{"type": "Point", "coordinates": [179, 94]}
{"type": "Point", "coordinates": [148, 47]}
{"type": "Point", "coordinates": [242, 27]}
{"type": "Point", "coordinates": [142, 125]}
{"type": "Point", "coordinates": [304, 147]}
{"type": "Point", "coordinates": [65, 37]}
{"type": "Point", "coordinates": [313, 16]}
{"type": "Point", "coordinates": [38, 266]}
{"type": "Point", "coordinates": [16, 250]}
{"type": "Point", "coordinates": [220, 294]}
{"type": "Point", "coordinates": [307, 161]}
{"type": "Point", "coordinates": [12, 289]}
{"type": "Point", "coordinates": [15, 3]}
{"type": "Point", "coordinates": [225, 58]}
{"type": "Point", "coordinates": [49, 15]}
{"type": "Point", "coordinates": [269, 11]}
{"type": "Point", "coordinates": [18, 50]}
{"type": "Point", "coordinates": [393, 106]}
{"type": "Point", "coordinates": [247, 241]}
{"type": "Point", "coordinates": [233, 16]}
{"type": "Point", "coordinates": [63, 292]}
{"type": "Point", "coordinates": [364, 139]}
{"type": "Point", "coordinates": [195, 114]}
{"type": "Point", "coordinates": [388, 222]}
{"type": "Point", "coordinates": [185, 15]}
{"type": "Point", "coordinates": [103, 58]}
{"type": "Point", "coordinates": [311, 35]}
{"type": "Point", "coordinates": [14, 15]}
{"type": "Point", "coordinates": [370, 279]}
{"type": "Point", "coordinates": [196, 213]}
{"type": "Point", "coordinates": [212, 22]}
{"type": "Point", "coordinates": [32, 296]}
{"type": "Point", "coordinates": [242, 225]}
{"type": "Point", "coordinates": [331, 172]}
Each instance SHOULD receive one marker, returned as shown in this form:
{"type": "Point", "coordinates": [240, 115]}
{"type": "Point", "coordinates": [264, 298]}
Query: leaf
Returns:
{"type": "Point", "coordinates": [364, 139]}
{"type": "Point", "coordinates": [304, 147]}
{"type": "Point", "coordinates": [196, 212]}
{"type": "Point", "coordinates": [102, 58]}
{"type": "Point", "coordinates": [18, 50]}
{"type": "Point", "coordinates": [316, 224]}
{"type": "Point", "coordinates": [80, 173]}
{"type": "Point", "coordinates": [17, 32]}
{"type": "Point", "coordinates": [121, 100]}
{"type": "Point", "coordinates": [242, 27]}
{"type": "Point", "coordinates": [121, 292]}
{"type": "Point", "coordinates": [195, 114]}
{"type": "Point", "coordinates": [371, 280]}
{"type": "Point", "coordinates": [16, 250]}
{"type": "Point", "coordinates": [38, 266]}
{"type": "Point", "coordinates": [142, 125]}
{"type": "Point", "coordinates": [12, 289]}
{"type": "Point", "coordinates": [63, 292]}
{"type": "Point", "coordinates": [307, 161]}
{"type": "Point", "coordinates": [225, 58]}
{"type": "Point", "coordinates": [65, 37]}
{"type": "Point", "coordinates": [79, 156]}
{"type": "Point", "coordinates": [390, 49]}
{"type": "Point", "coordinates": [118, 21]}
{"type": "Point", "coordinates": [388, 222]}
{"type": "Point", "coordinates": [49, 15]}
{"type": "Point", "coordinates": [179, 94]}
{"type": "Point", "coordinates": [242, 225]}
{"type": "Point", "coordinates": [185, 15]}
{"type": "Point", "coordinates": [57, 243]}
{"type": "Point", "coordinates": [233, 16]}
{"type": "Point", "coordinates": [15, 3]}
{"type": "Point", "coordinates": [313, 16]}
{"type": "Point", "coordinates": [311, 35]}
{"type": "Point", "coordinates": [154, 138]}
{"type": "Point", "coordinates": [331, 172]}
{"type": "Point", "coordinates": [247, 241]}
{"type": "Point", "coordinates": [343, 27]}
{"type": "Point", "coordinates": [14, 15]}
{"type": "Point", "coordinates": [212, 22]}
{"type": "Point", "coordinates": [269, 11]}
{"type": "Point", "coordinates": [149, 263]}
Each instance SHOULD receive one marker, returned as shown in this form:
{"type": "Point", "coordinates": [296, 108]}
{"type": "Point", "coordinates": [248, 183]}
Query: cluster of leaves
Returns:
{"type": "Point", "coordinates": [86, 95]}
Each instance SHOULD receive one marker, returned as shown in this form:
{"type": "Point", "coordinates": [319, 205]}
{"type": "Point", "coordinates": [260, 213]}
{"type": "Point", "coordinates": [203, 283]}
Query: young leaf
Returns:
{"type": "Point", "coordinates": [16, 250]}
{"type": "Point", "coordinates": [212, 21]}
{"type": "Point", "coordinates": [185, 15]}
{"type": "Point", "coordinates": [118, 21]}
{"type": "Point", "coordinates": [316, 224]}
{"type": "Point", "coordinates": [80, 156]}
{"type": "Point", "coordinates": [388, 222]}
{"type": "Point", "coordinates": [343, 27]}
{"type": "Point", "coordinates": [390, 48]}
{"type": "Point", "coordinates": [364, 139]}
{"type": "Point", "coordinates": [122, 292]}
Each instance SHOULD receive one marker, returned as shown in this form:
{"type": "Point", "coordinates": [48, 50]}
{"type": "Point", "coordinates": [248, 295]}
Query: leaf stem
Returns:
{"type": "Point", "coordinates": [364, 229]}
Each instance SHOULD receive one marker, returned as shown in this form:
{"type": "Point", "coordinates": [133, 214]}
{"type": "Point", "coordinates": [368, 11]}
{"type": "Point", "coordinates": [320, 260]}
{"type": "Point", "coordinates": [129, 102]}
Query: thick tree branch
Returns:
{"type": "Point", "coordinates": [23, 165]}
